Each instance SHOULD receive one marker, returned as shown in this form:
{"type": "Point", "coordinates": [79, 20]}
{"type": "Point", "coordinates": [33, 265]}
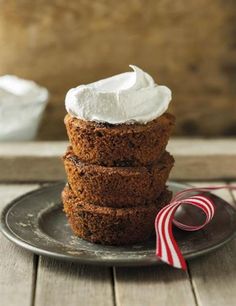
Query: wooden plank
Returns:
{"type": "Point", "coordinates": [152, 286]}
{"type": "Point", "coordinates": [203, 159]}
{"type": "Point", "coordinates": [33, 149]}
{"type": "Point", "coordinates": [17, 271]}
{"type": "Point", "coordinates": [213, 275]}
{"type": "Point", "coordinates": [60, 283]}
{"type": "Point", "coordinates": [196, 159]}
{"type": "Point", "coordinates": [41, 159]}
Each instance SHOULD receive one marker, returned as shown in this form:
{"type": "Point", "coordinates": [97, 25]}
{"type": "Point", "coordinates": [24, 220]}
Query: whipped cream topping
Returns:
{"type": "Point", "coordinates": [14, 90]}
{"type": "Point", "coordinates": [124, 98]}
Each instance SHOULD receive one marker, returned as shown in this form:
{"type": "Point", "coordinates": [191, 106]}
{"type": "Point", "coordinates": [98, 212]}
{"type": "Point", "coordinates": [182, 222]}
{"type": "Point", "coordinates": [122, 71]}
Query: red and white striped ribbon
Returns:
{"type": "Point", "coordinates": [166, 247]}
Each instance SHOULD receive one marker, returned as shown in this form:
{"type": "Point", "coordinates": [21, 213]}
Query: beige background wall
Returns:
{"type": "Point", "coordinates": [188, 45]}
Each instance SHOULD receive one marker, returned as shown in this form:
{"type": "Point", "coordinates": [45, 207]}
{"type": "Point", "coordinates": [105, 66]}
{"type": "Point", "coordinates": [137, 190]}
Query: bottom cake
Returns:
{"type": "Point", "coordinates": [108, 225]}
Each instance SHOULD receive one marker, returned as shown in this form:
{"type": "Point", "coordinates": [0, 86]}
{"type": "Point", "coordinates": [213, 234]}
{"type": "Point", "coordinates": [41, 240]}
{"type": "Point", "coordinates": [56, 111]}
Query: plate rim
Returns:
{"type": "Point", "coordinates": [19, 241]}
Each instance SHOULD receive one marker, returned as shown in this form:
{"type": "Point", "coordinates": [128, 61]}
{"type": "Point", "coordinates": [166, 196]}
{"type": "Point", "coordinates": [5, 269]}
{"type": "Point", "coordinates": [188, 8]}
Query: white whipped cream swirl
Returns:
{"type": "Point", "coordinates": [17, 91]}
{"type": "Point", "coordinates": [124, 98]}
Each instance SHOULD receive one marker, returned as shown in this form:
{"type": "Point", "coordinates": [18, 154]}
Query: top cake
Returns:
{"type": "Point", "coordinates": [119, 121]}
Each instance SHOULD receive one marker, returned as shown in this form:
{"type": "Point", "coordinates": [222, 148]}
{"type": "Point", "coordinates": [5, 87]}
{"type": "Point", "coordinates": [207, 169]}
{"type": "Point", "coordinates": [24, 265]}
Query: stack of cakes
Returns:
{"type": "Point", "coordinates": [117, 175]}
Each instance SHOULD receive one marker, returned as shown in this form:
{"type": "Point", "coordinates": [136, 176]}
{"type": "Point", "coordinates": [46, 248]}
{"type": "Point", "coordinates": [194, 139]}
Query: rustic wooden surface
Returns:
{"type": "Point", "coordinates": [17, 266]}
{"type": "Point", "coordinates": [27, 279]}
{"type": "Point", "coordinates": [213, 276]}
{"type": "Point", "coordinates": [70, 284]}
{"type": "Point", "coordinates": [187, 45]}
{"type": "Point", "coordinates": [152, 286]}
{"type": "Point", "coordinates": [198, 160]}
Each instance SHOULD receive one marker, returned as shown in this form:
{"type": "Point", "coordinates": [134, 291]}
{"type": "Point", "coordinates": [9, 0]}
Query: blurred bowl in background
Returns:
{"type": "Point", "coordinates": [22, 103]}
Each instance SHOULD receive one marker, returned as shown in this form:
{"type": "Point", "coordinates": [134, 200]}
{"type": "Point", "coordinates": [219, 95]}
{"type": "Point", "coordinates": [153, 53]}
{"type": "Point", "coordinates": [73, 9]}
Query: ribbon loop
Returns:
{"type": "Point", "coordinates": [166, 247]}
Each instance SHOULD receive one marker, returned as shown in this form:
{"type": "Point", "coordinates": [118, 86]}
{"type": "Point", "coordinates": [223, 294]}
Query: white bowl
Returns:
{"type": "Point", "coordinates": [20, 115]}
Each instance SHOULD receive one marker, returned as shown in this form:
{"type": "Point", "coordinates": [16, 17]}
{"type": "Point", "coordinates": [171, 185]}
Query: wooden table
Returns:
{"type": "Point", "coordinates": [27, 279]}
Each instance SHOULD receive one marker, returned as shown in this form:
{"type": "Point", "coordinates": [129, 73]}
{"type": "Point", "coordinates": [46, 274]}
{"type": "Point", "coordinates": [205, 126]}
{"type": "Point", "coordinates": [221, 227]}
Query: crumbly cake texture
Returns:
{"type": "Point", "coordinates": [114, 226]}
{"type": "Point", "coordinates": [117, 186]}
{"type": "Point", "coordinates": [119, 145]}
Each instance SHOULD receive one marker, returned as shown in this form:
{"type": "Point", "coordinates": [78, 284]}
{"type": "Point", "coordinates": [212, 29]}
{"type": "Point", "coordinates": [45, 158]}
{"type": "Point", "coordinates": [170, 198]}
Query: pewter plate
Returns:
{"type": "Point", "coordinates": [35, 221]}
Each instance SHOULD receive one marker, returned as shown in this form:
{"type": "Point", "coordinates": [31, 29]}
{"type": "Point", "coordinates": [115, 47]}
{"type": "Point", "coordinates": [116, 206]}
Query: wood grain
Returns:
{"type": "Point", "coordinates": [213, 275]}
{"type": "Point", "coordinates": [152, 286]}
{"type": "Point", "coordinates": [60, 283]}
{"type": "Point", "coordinates": [196, 159]}
{"type": "Point", "coordinates": [16, 265]}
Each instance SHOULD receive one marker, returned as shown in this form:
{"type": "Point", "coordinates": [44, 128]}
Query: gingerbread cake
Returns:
{"type": "Point", "coordinates": [117, 186]}
{"type": "Point", "coordinates": [120, 144]}
{"type": "Point", "coordinates": [117, 165]}
{"type": "Point", "coordinates": [109, 225]}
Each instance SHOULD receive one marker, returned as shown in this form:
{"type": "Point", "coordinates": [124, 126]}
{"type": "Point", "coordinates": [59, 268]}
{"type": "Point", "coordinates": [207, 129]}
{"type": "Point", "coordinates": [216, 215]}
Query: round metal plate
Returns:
{"type": "Point", "coordinates": [35, 221]}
